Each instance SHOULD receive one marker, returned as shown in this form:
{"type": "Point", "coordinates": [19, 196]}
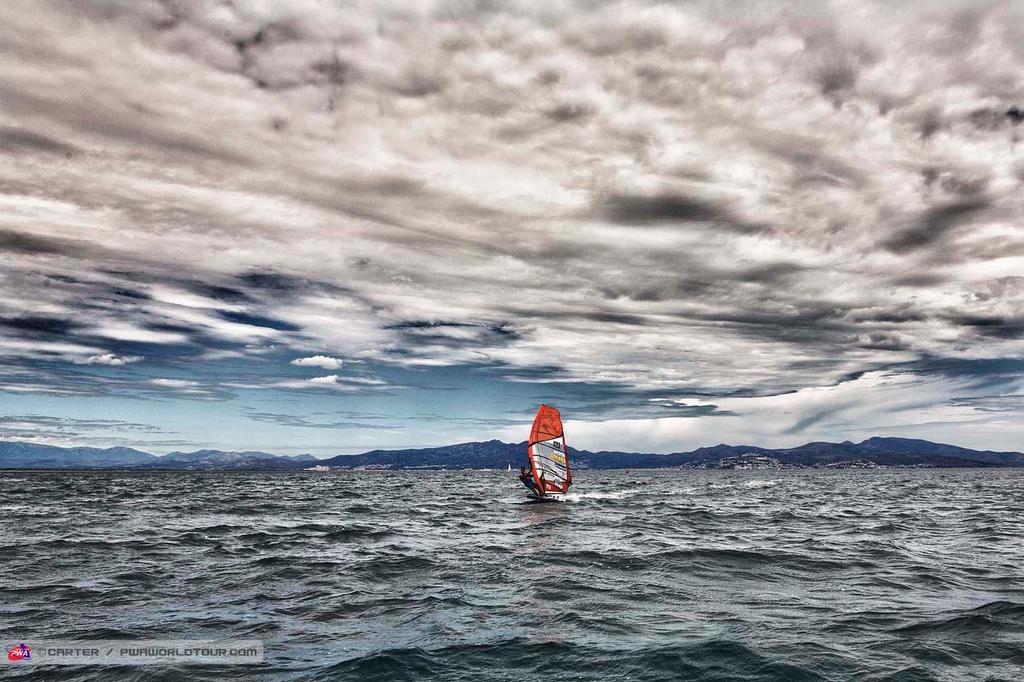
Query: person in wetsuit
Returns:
{"type": "Point", "coordinates": [527, 480]}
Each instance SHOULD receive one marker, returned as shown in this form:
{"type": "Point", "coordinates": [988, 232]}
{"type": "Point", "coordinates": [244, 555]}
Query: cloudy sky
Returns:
{"type": "Point", "coordinates": [331, 226]}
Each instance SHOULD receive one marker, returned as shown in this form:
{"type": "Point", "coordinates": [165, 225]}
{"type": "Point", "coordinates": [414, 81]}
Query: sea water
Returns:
{"type": "Point", "coordinates": [648, 575]}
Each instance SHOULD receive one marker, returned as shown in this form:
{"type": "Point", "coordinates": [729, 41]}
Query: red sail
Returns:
{"type": "Point", "coordinates": [549, 456]}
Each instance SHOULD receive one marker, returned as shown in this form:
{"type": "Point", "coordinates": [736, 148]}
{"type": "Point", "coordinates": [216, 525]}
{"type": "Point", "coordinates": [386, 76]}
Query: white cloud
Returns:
{"type": "Point", "coordinates": [322, 361]}
{"type": "Point", "coordinates": [345, 384]}
{"type": "Point", "coordinates": [109, 359]}
{"type": "Point", "coordinates": [124, 332]}
{"type": "Point", "coordinates": [335, 380]}
{"type": "Point", "coordinates": [174, 383]}
{"type": "Point", "coordinates": [329, 380]}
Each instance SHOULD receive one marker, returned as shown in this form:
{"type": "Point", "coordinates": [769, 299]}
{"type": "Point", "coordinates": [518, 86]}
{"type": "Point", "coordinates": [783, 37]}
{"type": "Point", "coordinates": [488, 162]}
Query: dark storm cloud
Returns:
{"type": "Point", "coordinates": [656, 291]}
{"type": "Point", "coordinates": [983, 372]}
{"type": "Point", "coordinates": [770, 273]}
{"type": "Point", "coordinates": [455, 334]}
{"type": "Point", "coordinates": [276, 283]}
{"type": "Point", "coordinates": [41, 326]}
{"type": "Point", "coordinates": [14, 241]}
{"type": "Point", "coordinates": [933, 225]}
{"type": "Point", "coordinates": [569, 111]}
{"type": "Point", "coordinates": [218, 292]}
{"type": "Point", "coordinates": [884, 341]}
{"type": "Point", "coordinates": [616, 318]}
{"type": "Point", "coordinates": [837, 75]}
{"type": "Point", "coordinates": [259, 321]}
{"type": "Point", "coordinates": [639, 210]}
{"type": "Point", "coordinates": [920, 280]}
{"type": "Point", "coordinates": [687, 279]}
{"type": "Point", "coordinates": [428, 324]}
{"type": "Point", "coordinates": [901, 314]}
{"type": "Point", "coordinates": [19, 140]}
{"type": "Point", "coordinates": [669, 208]}
{"type": "Point", "coordinates": [806, 316]}
{"type": "Point", "coordinates": [996, 326]}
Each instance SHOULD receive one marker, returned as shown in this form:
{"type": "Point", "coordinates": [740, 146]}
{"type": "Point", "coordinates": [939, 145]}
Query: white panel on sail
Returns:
{"type": "Point", "coordinates": [548, 457]}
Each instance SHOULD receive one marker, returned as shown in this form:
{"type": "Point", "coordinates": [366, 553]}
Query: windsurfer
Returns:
{"type": "Point", "coordinates": [527, 480]}
{"type": "Point", "coordinates": [549, 475]}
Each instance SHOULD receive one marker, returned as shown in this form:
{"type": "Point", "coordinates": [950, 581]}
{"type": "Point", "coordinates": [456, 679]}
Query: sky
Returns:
{"type": "Point", "coordinates": [330, 227]}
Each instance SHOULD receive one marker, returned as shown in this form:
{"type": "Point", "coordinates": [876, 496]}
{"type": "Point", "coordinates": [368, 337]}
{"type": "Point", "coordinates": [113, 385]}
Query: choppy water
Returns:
{"type": "Point", "coordinates": [840, 575]}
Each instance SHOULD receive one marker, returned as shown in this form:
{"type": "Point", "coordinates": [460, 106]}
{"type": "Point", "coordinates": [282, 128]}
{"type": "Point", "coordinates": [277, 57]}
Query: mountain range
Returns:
{"type": "Point", "coordinates": [494, 454]}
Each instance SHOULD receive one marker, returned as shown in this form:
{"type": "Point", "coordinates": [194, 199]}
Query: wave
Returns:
{"type": "Point", "coordinates": [994, 618]}
{"type": "Point", "coordinates": [392, 566]}
{"type": "Point", "coordinates": [767, 561]}
{"type": "Point", "coordinates": [711, 660]}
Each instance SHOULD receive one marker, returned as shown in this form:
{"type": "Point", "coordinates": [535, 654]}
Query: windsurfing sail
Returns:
{"type": "Point", "coordinates": [549, 457]}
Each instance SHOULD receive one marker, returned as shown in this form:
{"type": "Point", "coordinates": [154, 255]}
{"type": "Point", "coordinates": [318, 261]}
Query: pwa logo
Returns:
{"type": "Point", "coordinates": [19, 652]}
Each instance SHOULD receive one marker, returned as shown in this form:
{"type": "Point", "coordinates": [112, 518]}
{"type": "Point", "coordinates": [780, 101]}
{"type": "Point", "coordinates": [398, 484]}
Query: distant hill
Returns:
{"type": "Point", "coordinates": [495, 454]}
{"type": "Point", "coordinates": [491, 454]}
{"type": "Point", "coordinates": [16, 455]}
{"type": "Point", "coordinates": [221, 460]}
